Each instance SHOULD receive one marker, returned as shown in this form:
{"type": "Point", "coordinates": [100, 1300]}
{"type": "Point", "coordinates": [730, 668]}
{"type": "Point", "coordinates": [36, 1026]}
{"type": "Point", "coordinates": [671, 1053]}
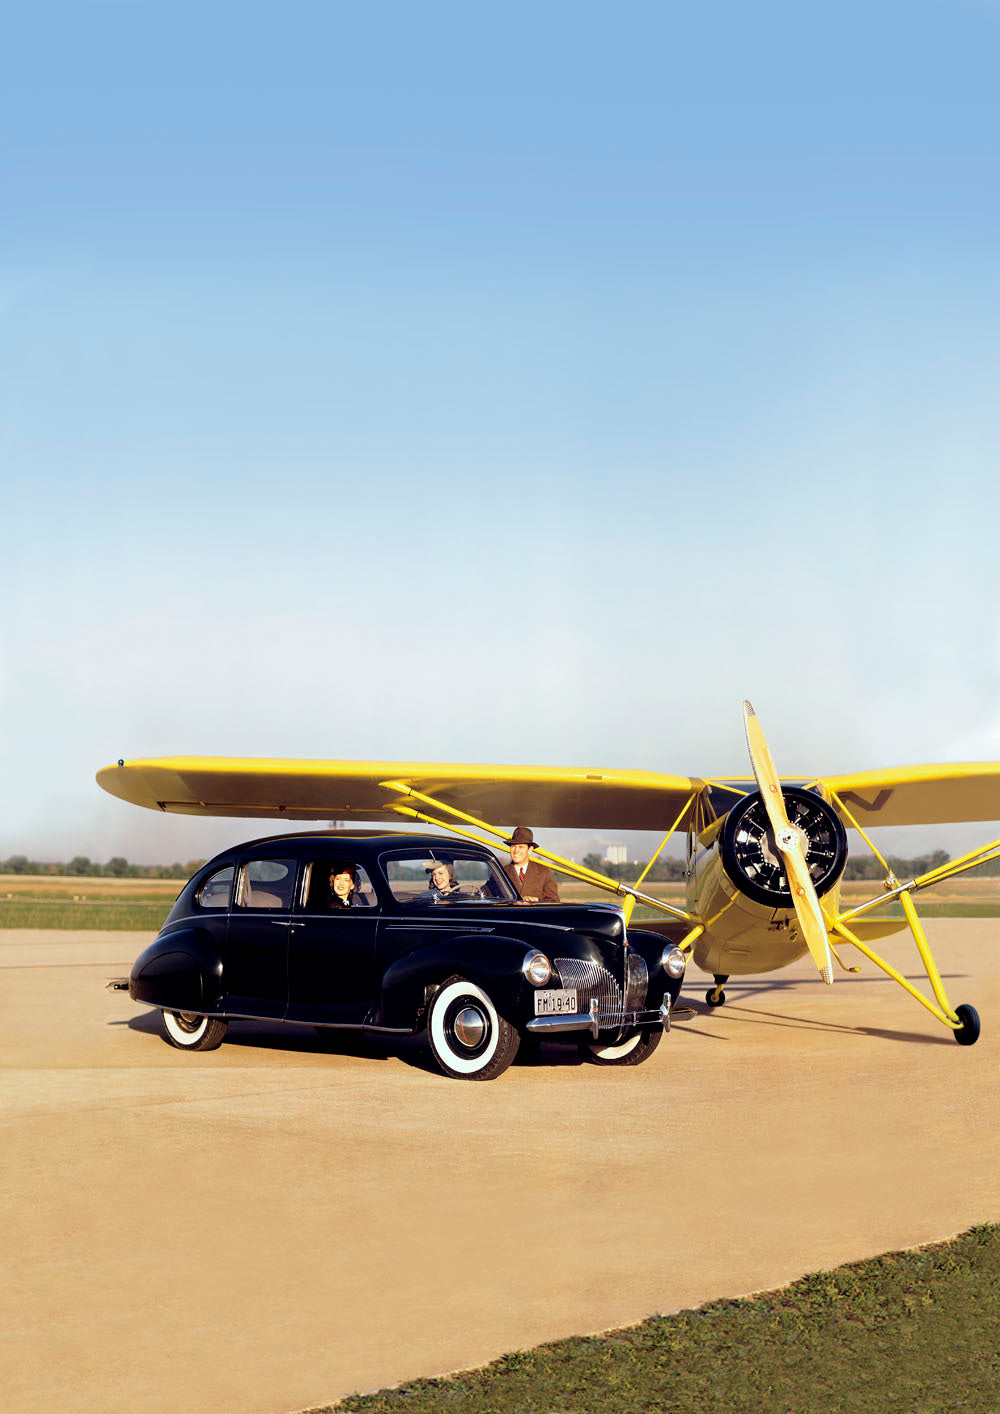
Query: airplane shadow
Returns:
{"type": "Point", "coordinates": [756, 986]}
{"type": "Point", "coordinates": [755, 1017]}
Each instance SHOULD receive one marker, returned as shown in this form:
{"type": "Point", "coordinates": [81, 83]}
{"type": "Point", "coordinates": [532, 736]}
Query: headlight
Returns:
{"type": "Point", "coordinates": [537, 968]}
{"type": "Point", "coordinates": [673, 962]}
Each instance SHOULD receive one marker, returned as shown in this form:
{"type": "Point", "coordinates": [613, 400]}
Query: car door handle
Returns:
{"type": "Point", "coordinates": [284, 923]}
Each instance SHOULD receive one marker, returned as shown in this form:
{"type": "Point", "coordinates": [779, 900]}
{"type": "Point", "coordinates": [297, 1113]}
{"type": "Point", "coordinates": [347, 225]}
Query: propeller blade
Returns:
{"type": "Point", "coordinates": [788, 841]}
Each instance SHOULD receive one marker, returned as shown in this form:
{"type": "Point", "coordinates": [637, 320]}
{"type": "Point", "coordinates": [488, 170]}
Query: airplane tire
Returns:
{"type": "Point", "coordinates": [968, 1033]}
{"type": "Point", "coordinates": [632, 1051]}
{"type": "Point", "coordinates": [192, 1033]}
{"type": "Point", "coordinates": [715, 996]}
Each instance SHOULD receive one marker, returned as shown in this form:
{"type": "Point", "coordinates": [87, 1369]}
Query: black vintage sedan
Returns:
{"type": "Point", "coordinates": [394, 933]}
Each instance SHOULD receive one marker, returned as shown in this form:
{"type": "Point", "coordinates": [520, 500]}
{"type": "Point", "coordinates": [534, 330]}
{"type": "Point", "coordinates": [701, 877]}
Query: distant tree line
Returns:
{"type": "Point", "coordinates": [860, 866]}
{"type": "Point", "coordinates": [116, 868]}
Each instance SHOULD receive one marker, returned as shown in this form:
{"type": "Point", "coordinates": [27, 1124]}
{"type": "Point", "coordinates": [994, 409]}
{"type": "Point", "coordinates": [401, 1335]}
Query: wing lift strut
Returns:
{"type": "Point", "coordinates": [631, 895]}
{"type": "Point", "coordinates": [962, 1020]}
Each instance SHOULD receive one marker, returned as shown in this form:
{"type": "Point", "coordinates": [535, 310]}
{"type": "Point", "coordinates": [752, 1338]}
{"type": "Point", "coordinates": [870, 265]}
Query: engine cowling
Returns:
{"type": "Point", "coordinates": [753, 864]}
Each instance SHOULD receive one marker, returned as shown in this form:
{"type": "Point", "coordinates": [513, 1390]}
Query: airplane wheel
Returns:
{"type": "Point", "coordinates": [632, 1051]}
{"type": "Point", "coordinates": [968, 1033]}
{"type": "Point", "coordinates": [469, 1038]}
{"type": "Point", "coordinates": [189, 1032]}
{"type": "Point", "coordinates": [715, 996]}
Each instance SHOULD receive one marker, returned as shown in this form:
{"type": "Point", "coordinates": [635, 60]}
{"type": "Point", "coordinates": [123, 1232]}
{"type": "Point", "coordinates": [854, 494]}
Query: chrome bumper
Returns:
{"type": "Point", "coordinates": [591, 1021]}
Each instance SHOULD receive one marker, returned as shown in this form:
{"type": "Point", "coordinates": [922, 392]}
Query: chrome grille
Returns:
{"type": "Point", "coordinates": [636, 981]}
{"type": "Point", "coordinates": [590, 980]}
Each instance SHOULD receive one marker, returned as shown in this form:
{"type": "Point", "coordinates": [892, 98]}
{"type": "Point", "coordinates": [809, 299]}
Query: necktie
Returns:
{"type": "Point", "coordinates": [520, 875]}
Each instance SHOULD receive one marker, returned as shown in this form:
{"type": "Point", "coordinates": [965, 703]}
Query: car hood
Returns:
{"type": "Point", "coordinates": [599, 920]}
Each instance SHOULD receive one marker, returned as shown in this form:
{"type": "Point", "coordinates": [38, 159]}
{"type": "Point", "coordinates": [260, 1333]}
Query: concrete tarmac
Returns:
{"type": "Point", "coordinates": [283, 1221]}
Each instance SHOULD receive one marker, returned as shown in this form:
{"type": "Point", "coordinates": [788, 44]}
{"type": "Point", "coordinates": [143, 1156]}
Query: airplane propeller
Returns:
{"type": "Point", "coordinates": [789, 844]}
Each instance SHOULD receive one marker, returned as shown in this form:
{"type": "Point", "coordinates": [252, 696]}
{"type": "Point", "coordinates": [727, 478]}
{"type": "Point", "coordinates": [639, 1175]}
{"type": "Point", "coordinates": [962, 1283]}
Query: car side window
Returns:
{"type": "Point", "coordinates": [317, 886]}
{"type": "Point", "coordinates": [444, 877]}
{"type": "Point", "coordinates": [267, 883]}
{"type": "Point", "coordinates": [215, 891]}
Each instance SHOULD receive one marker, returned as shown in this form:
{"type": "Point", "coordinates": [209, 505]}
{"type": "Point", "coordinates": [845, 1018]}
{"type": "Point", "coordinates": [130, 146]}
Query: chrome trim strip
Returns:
{"type": "Point", "coordinates": [294, 1021]}
{"type": "Point", "coordinates": [457, 927]}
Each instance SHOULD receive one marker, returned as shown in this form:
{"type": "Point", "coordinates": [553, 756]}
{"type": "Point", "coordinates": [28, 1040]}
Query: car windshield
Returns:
{"type": "Point", "coordinates": [443, 876]}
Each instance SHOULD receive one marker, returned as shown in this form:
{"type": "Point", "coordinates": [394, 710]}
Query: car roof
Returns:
{"type": "Point", "coordinates": [361, 843]}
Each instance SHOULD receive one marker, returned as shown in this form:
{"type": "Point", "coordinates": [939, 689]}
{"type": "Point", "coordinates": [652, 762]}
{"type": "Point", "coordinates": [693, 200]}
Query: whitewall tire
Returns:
{"type": "Point", "coordinates": [189, 1032]}
{"type": "Point", "coordinates": [468, 1037]}
{"type": "Point", "coordinates": [632, 1051]}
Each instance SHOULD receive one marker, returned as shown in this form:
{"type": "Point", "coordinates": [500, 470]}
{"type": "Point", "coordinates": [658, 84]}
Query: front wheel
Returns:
{"type": "Point", "coordinates": [632, 1051]}
{"type": "Point", "coordinates": [189, 1032]}
{"type": "Point", "coordinates": [468, 1037]}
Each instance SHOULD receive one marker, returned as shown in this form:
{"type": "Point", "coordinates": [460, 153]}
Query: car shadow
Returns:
{"type": "Point", "coordinates": [369, 1045]}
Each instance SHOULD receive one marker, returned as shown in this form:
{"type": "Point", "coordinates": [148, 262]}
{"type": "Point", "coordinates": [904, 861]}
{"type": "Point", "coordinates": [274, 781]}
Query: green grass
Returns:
{"type": "Point", "coordinates": [105, 914]}
{"type": "Point", "coordinates": [913, 1331]}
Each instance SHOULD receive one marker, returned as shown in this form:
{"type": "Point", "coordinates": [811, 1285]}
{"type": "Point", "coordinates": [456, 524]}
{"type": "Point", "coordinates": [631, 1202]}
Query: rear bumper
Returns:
{"type": "Point", "coordinates": [594, 1022]}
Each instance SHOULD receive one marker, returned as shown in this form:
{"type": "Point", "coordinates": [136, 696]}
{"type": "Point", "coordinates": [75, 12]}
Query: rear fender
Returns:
{"type": "Point", "coordinates": [179, 971]}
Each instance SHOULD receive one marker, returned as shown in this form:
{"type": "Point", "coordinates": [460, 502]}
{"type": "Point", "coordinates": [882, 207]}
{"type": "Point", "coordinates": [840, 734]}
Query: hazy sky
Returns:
{"type": "Point", "coordinates": [522, 384]}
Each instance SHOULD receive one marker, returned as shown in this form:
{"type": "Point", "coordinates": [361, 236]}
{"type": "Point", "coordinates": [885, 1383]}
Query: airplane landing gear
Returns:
{"type": "Point", "coordinates": [968, 1033]}
{"type": "Point", "coordinates": [715, 996]}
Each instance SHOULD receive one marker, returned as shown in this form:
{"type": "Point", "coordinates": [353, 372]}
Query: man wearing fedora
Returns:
{"type": "Point", "coordinates": [533, 881]}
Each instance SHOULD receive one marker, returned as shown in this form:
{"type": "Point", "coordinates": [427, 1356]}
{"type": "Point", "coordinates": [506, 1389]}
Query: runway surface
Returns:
{"type": "Point", "coordinates": [281, 1222]}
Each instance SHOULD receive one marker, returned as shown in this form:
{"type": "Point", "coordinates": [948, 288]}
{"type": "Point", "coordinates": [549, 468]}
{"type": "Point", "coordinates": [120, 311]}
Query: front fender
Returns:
{"type": "Point", "coordinates": [492, 963]}
{"type": "Point", "coordinates": [651, 948]}
{"type": "Point", "coordinates": [179, 971]}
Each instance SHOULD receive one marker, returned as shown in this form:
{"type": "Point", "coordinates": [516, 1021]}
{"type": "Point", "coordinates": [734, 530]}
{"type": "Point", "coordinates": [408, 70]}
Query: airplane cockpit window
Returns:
{"type": "Point", "coordinates": [214, 892]}
{"type": "Point", "coordinates": [445, 877]}
{"type": "Point", "coordinates": [267, 883]}
{"type": "Point", "coordinates": [321, 892]}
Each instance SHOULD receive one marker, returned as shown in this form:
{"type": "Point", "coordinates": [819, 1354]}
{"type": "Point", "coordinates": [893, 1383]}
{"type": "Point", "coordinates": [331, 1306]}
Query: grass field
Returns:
{"type": "Point", "coordinates": [71, 901]}
{"type": "Point", "coordinates": [913, 1331]}
{"type": "Point", "coordinates": [50, 901]}
{"type": "Point", "coordinates": [969, 897]}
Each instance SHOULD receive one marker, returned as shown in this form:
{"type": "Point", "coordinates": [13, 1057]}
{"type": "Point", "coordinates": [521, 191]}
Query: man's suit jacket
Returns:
{"type": "Point", "coordinates": [539, 882]}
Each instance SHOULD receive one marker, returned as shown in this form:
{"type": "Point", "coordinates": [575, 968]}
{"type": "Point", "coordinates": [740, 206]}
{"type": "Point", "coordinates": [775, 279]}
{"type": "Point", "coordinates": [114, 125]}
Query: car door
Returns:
{"type": "Point", "coordinates": [256, 971]}
{"type": "Point", "coordinates": [331, 957]}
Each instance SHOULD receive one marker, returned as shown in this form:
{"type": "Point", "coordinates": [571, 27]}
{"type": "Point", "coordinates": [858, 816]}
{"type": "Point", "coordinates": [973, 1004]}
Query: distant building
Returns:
{"type": "Point", "coordinates": [616, 854]}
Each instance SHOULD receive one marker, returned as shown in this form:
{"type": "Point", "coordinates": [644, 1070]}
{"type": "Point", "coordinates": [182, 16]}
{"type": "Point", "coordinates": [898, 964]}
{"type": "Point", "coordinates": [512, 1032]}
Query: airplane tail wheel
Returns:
{"type": "Point", "coordinates": [968, 1033]}
{"type": "Point", "coordinates": [715, 996]}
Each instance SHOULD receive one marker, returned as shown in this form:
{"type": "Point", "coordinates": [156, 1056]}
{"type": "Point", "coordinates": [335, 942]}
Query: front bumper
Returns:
{"type": "Point", "coordinates": [592, 1021]}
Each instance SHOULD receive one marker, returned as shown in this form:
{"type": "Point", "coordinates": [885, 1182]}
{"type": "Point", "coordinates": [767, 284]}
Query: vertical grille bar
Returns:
{"type": "Point", "coordinates": [591, 980]}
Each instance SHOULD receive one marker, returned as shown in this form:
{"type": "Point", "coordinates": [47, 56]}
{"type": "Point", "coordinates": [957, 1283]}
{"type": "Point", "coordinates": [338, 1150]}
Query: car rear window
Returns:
{"type": "Point", "coordinates": [215, 891]}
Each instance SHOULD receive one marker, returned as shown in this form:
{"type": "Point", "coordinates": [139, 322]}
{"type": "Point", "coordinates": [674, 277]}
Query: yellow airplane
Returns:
{"type": "Point", "coordinates": [765, 856]}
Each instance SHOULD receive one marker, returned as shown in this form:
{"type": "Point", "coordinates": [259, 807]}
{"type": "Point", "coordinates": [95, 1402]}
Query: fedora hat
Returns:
{"type": "Point", "coordinates": [522, 835]}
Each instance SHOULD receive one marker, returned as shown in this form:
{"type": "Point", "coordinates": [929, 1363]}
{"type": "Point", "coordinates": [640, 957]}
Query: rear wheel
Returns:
{"type": "Point", "coordinates": [189, 1032]}
{"type": "Point", "coordinates": [632, 1051]}
{"type": "Point", "coordinates": [468, 1037]}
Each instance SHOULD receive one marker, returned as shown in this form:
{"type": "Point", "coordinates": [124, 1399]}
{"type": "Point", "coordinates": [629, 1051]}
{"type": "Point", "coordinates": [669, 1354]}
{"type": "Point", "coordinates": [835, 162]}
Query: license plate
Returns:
{"type": "Point", "coordinates": [555, 1002]}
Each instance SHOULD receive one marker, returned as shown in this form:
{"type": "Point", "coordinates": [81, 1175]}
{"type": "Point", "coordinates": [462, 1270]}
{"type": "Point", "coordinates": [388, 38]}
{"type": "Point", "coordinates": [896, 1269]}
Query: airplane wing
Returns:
{"type": "Point", "coordinates": [547, 797]}
{"type": "Point", "coordinates": [350, 790]}
{"type": "Point", "coordinates": [919, 795]}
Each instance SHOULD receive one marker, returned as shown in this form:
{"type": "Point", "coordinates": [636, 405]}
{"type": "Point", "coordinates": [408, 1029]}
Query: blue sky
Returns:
{"type": "Point", "coordinates": [523, 386]}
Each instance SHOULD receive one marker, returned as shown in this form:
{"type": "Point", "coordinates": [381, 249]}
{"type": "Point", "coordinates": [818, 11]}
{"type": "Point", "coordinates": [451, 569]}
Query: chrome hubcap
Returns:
{"type": "Point", "coordinates": [470, 1026]}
